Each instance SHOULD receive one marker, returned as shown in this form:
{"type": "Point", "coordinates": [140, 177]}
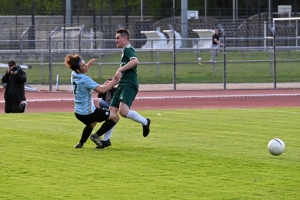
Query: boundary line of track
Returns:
{"type": "Point", "coordinates": [180, 97]}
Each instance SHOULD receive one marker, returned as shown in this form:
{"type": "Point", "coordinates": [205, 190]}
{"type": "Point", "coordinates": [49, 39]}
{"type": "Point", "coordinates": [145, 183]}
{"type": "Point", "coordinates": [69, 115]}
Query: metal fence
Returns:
{"type": "Point", "coordinates": [261, 60]}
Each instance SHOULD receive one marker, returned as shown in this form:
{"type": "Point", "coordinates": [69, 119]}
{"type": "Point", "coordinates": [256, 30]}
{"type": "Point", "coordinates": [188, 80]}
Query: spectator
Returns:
{"type": "Point", "coordinates": [106, 97]}
{"type": "Point", "coordinates": [215, 45]}
{"type": "Point", "coordinates": [14, 96]}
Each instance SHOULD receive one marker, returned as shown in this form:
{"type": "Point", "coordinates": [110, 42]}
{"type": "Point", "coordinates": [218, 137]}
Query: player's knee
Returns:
{"type": "Point", "coordinates": [92, 125]}
{"type": "Point", "coordinates": [115, 117]}
{"type": "Point", "coordinates": [123, 113]}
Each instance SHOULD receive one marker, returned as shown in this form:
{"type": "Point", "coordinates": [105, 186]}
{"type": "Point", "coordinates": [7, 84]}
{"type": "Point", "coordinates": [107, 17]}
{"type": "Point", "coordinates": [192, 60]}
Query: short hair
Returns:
{"type": "Point", "coordinates": [123, 32]}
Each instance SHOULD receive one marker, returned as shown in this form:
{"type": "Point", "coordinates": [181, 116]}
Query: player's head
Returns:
{"type": "Point", "coordinates": [216, 31]}
{"type": "Point", "coordinates": [75, 63]}
{"type": "Point", "coordinates": [122, 37]}
{"type": "Point", "coordinates": [109, 79]}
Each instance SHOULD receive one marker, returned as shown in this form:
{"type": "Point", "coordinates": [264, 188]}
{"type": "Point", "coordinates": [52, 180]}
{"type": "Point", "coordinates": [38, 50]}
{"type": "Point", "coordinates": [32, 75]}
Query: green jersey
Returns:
{"type": "Point", "coordinates": [129, 77]}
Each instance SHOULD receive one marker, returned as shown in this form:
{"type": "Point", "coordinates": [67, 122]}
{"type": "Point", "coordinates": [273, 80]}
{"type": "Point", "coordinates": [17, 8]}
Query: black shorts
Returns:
{"type": "Point", "coordinates": [100, 115]}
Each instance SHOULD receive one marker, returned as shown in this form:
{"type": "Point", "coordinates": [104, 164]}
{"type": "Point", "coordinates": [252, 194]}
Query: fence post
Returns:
{"type": "Point", "coordinates": [50, 59]}
{"type": "Point", "coordinates": [224, 56]}
{"type": "Point", "coordinates": [21, 45]}
{"type": "Point", "coordinates": [79, 42]}
{"type": "Point", "coordinates": [174, 55]}
{"type": "Point", "coordinates": [274, 53]}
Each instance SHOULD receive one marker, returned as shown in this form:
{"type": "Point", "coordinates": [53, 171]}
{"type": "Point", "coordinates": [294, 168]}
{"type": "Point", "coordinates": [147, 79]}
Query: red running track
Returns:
{"type": "Point", "coordinates": [62, 101]}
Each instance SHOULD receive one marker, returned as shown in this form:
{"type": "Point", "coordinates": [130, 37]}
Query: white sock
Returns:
{"type": "Point", "coordinates": [108, 134]}
{"type": "Point", "coordinates": [136, 117]}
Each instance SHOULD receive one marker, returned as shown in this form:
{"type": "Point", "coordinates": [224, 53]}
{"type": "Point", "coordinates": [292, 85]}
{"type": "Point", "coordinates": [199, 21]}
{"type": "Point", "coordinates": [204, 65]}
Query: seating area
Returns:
{"type": "Point", "coordinates": [170, 44]}
{"type": "Point", "coordinates": [158, 40]}
{"type": "Point", "coordinates": [155, 40]}
{"type": "Point", "coordinates": [205, 38]}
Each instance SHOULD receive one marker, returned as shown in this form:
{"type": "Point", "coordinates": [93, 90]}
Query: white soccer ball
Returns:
{"type": "Point", "coordinates": [276, 146]}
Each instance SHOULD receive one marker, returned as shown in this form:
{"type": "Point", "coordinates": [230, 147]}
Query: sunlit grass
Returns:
{"type": "Point", "coordinates": [189, 154]}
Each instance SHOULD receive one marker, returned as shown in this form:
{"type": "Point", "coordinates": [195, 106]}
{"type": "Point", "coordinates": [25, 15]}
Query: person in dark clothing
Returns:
{"type": "Point", "coordinates": [215, 45]}
{"type": "Point", "coordinates": [14, 96]}
{"type": "Point", "coordinates": [106, 97]}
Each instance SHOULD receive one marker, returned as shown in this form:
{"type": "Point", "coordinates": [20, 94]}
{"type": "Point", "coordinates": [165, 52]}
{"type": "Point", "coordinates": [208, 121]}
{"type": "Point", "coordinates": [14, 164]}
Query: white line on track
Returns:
{"type": "Point", "coordinates": [180, 97]}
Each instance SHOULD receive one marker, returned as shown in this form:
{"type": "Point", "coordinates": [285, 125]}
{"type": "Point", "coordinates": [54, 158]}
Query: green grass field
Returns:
{"type": "Point", "coordinates": [189, 154]}
{"type": "Point", "coordinates": [240, 68]}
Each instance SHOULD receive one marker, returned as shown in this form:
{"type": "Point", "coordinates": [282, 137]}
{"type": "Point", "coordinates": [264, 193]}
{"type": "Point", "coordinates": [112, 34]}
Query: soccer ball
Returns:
{"type": "Point", "coordinates": [276, 146]}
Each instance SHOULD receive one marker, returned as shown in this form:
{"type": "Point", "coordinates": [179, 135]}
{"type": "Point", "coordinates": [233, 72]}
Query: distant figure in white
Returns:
{"type": "Point", "coordinates": [215, 45]}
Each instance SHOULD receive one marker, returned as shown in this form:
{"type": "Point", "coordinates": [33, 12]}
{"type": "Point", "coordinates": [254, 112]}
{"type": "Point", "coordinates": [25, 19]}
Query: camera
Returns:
{"type": "Point", "coordinates": [14, 69]}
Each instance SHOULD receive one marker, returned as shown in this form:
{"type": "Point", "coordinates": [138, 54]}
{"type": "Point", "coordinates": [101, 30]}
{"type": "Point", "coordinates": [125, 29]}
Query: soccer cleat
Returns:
{"type": "Point", "coordinates": [106, 143]}
{"type": "Point", "coordinates": [79, 145]}
{"type": "Point", "coordinates": [95, 138]}
{"type": "Point", "coordinates": [146, 128]}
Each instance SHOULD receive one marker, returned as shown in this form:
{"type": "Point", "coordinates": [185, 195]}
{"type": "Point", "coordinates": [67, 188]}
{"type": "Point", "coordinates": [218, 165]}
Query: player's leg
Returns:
{"type": "Point", "coordinates": [87, 131]}
{"type": "Point", "coordinates": [129, 95]}
{"type": "Point", "coordinates": [103, 104]}
{"type": "Point", "coordinates": [135, 116]}
{"type": "Point", "coordinates": [106, 138]}
{"type": "Point", "coordinates": [107, 135]}
{"type": "Point", "coordinates": [114, 108]}
{"type": "Point", "coordinates": [111, 118]}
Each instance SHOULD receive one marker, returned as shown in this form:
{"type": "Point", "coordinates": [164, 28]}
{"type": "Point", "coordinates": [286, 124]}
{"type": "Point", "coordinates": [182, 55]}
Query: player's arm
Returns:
{"type": "Point", "coordinates": [221, 44]}
{"type": "Point", "coordinates": [132, 63]}
{"type": "Point", "coordinates": [218, 42]}
{"type": "Point", "coordinates": [105, 88]}
{"type": "Point", "coordinates": [91, 62]}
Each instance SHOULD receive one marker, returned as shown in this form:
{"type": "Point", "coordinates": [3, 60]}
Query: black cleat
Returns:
{"type": "Point", "coordinates": [95, 138]}
{"type": "Point", "coordinates": [146, 128]}
{"type": "Point", "coordinates": [106, 143]}
{"type": "Point", "coordinates": [79, 145]}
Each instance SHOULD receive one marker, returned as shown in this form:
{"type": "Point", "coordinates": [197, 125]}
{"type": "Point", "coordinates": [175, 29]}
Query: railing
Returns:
{"type": "Point", "coordinates": [47, 60]}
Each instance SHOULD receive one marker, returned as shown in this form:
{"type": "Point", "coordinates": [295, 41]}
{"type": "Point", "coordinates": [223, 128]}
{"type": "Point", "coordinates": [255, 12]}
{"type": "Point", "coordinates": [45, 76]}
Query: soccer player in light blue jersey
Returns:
{"type": "Point", "coordinates": [85, 110]}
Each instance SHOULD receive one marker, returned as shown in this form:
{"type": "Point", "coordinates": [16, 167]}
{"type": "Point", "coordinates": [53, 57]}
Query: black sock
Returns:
{"type": "Point", "coordinates": [106, 126]}
{"type": "Point", "coordinates": [87, 131]}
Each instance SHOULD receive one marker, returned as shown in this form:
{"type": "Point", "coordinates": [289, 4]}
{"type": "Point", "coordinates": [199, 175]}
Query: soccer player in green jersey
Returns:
{"type": "Point", "coordinates": [128, 86]}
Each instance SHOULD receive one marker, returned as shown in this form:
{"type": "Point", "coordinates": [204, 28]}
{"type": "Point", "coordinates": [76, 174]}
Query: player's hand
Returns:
{"type": "Point", "coordinates": [91, 62]}
{"type": "Point", "coordinates": [120, 70]}
{"type": "Point", "coordinates": [117, 76]}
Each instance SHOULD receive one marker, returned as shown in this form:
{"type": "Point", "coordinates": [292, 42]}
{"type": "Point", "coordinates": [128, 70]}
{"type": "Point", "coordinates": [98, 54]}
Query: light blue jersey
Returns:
{"type": "Point", "coordinates": [82, 87]}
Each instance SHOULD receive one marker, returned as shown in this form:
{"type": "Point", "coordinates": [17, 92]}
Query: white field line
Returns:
{"type": "Point", "coordinates": [179, 97]}
{"type": "Point", "coordinates": [217, 96]}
